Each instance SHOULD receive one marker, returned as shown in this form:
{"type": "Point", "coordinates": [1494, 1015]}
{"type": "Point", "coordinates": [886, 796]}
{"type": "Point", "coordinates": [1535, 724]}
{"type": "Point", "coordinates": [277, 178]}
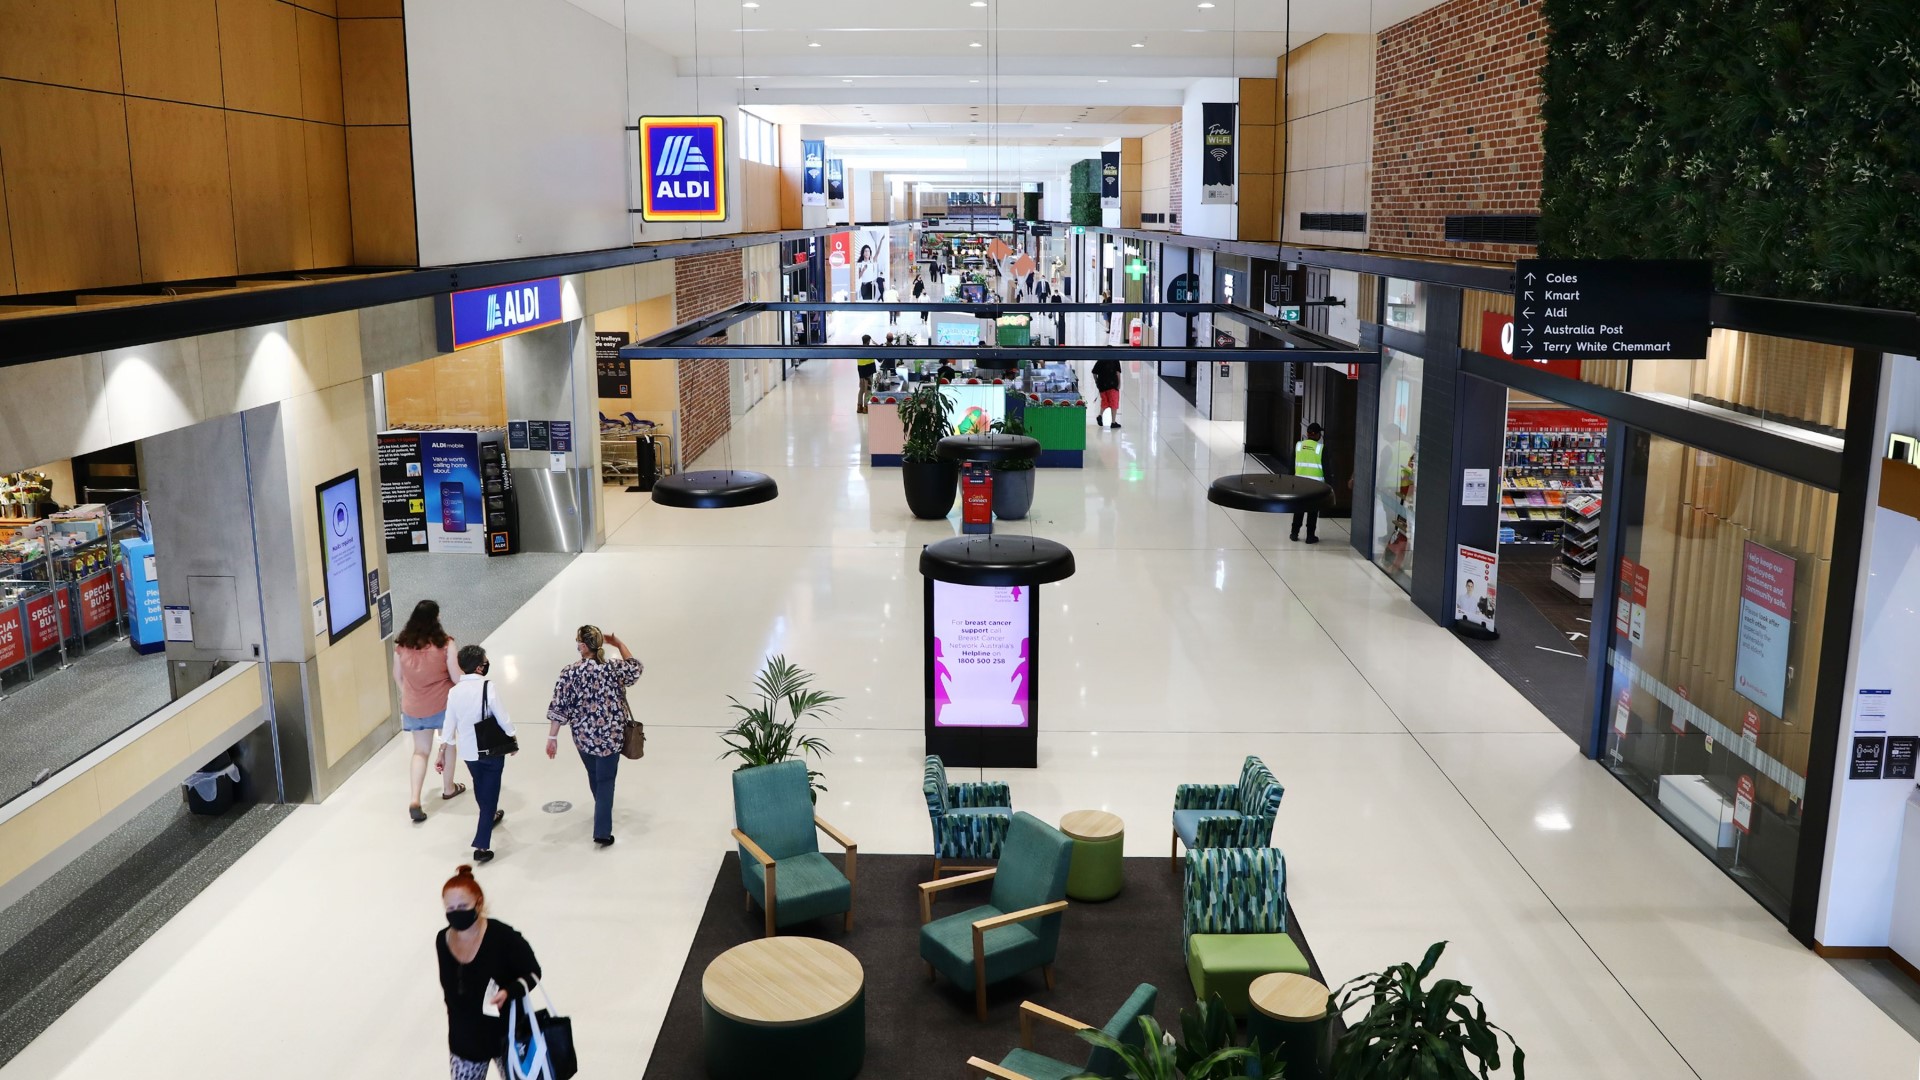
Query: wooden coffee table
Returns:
{"type": "Point", "coordinates": [794, 1000]}
{"type": "Point", "coordinates": [1098, 842]}
{"type": "Point", "coordinates": [1289, 1014]}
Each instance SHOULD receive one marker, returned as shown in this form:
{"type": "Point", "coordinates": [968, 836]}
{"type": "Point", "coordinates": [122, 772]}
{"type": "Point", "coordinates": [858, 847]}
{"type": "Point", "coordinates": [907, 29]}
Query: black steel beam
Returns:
{"type": "Point", "coordinates": [28, 339]}
{"type": "Point", "coordinates": [1833, 324]}
{"type": "Point", "coordinates": [1049, 353]}
{"type": "Point", "coordinates": [1711, 432]}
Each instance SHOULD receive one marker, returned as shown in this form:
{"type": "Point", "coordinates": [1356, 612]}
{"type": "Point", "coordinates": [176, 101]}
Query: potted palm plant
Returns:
{"type": "Point", "coordinates": [1012, 480]}
{"type": "Point", "coordinates": [761, 737]}
{"type": "Point", "coordinates": [1205, 1050]}
{"type": "Point", "coordinates": [926, 417]}
{"type": "Point", "coordinates": [1412, 1030]}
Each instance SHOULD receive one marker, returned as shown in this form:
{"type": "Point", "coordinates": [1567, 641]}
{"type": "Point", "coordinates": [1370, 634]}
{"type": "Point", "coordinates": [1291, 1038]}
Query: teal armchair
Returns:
{"type": "Point", "coordinates": [1017, 929]}
{"type": "Point", "coordinates": [780, 860]}
{"type": "Point", "coordinates": [969, 820]}
{"type": "Point", "coordinates": [1024, 1063]}
{"type": "Point", "coordinates": [1234, 922]}
{"type": "Point", "coordinates": [1227, 815]}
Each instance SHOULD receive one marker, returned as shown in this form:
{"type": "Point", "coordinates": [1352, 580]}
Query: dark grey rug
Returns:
{"type": "Point", "coordinates": [921, 1028]}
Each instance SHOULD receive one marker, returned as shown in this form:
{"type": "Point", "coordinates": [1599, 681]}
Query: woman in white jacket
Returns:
{"type": "Point", "coordinates": [467, 703]}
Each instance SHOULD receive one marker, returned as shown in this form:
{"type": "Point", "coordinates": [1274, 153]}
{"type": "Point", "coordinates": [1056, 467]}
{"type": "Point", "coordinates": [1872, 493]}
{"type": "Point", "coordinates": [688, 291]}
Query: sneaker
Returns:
{"type": "Point", "coordinates": [499, 816]}
{"type": "Point", "coordinates": [602, 841]}
{"type": "Point", "coordinates": [1115, 424]}
{"type": "Point", "coordinates": [482, 855]}
{"type": "Point", "coordinates": [1101, 420]}
{"type": "Point", "coordinates": [418, 815]}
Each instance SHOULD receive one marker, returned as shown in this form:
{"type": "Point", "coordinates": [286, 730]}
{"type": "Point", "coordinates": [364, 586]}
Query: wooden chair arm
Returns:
{"type": "Point", "coordinates": [753, 849]}
{"type": "Point", "coordinates": [1022, 915]}
{"type": "Point", "coordinates": [838, 836]}
{"type": "Point", "coordinates": [928, 888]}
{"type": "Point", "coordinates": [998, 1072]}
{"type": "Point", "coordinates": [1029, 1012]}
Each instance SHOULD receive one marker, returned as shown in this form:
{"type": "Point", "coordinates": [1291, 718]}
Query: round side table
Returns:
{"type": "Point", "coordinates": [1098, 837]}
{"type": "Point", "coordinates": [795, 1000]}
{"type": "Point", "coordinates": [1289, 1013]}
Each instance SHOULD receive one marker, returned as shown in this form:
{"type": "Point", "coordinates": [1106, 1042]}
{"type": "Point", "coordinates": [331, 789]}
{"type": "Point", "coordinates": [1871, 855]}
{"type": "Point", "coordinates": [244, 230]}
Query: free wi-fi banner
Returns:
{"type": "Point", "coordinates": [1110, 180]}
{"type": "Point", "coordinates": [813, 173]}
{"type": "Point", "coordinates": [683, 163]}
{"type": "Point", "coordinates": [1216, 151]}
{"type": "Point", "coordinates": [836, 182]}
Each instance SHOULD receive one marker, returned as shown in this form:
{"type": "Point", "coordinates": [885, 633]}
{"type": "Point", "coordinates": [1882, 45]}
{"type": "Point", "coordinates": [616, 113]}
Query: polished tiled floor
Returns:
{"type": "Point", "coordinates": [1426, 800]}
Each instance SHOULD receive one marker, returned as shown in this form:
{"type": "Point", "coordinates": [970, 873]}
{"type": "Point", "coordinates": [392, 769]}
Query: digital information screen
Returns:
{"type": "Point", "coordinates": [980, 655]}
{"type": "Point", "coordinates": [344, 554]}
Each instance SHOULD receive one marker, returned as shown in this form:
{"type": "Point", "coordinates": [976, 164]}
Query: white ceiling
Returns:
{"type": "Point", "coordinates": [862, 73]}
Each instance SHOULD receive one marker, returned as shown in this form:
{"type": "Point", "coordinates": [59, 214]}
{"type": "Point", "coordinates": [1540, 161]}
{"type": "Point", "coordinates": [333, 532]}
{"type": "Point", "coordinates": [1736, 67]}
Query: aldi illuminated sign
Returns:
{"type": "Point", "coordinates": [475, 316]}
{"type": "Point", "coordinates": [683, 163]}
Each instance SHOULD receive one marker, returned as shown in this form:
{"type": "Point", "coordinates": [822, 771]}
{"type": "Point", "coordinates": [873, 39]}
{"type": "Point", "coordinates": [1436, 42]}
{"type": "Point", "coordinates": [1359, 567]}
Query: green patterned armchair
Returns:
{"type": "Point", "coordinates": [969, 820]}
{"type": "Point", "coordinates": [1234, 922]}
{"type": "Point", "coordinates": [1017, 929]}
{"type": "Point", "coordinates": [780, 860]}
{"type": "Point", "coordinates": [1227, 815]}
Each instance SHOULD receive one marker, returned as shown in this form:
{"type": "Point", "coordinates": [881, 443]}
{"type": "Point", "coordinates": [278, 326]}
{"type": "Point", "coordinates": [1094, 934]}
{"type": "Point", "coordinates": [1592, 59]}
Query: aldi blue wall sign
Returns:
{"type": "Point", "coordinates": [683, 165]}
{"type": "Point", "coordinates": [476, 316]}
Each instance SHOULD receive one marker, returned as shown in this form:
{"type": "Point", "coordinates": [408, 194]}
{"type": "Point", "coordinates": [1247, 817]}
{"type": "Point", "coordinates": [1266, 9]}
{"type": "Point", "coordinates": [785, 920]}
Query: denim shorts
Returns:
{"type": "Point", "coordinates": [422, 723]}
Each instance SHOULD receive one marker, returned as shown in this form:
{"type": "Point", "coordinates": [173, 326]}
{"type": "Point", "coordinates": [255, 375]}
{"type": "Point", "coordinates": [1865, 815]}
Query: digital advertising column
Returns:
{"type": "Point", "coordinates": [983, 674]}
{"type": "Point", "coordinates": [450, 474]}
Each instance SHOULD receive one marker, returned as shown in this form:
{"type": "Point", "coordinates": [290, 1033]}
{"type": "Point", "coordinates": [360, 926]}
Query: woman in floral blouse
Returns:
{"type": "Point", "coordinates": [591, 698]}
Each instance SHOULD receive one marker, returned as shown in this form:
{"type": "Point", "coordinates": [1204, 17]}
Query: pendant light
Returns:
{"type": "Point", "coordinates": [998, 560]}
{"type": "Point", "coordinates": [715, 489]}
{"type": "Point", "coordinates": [1268, 493]}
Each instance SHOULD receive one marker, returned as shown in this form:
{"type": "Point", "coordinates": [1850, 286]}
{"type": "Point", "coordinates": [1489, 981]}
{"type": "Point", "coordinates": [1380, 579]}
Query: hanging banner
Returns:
{"type": "Point", "coordinates": [683, 168]}
{"type": "Point", "coordinates": [1216, 152]}
{"type": "Point", "coordinates": [836, 182]}
{"type": "Point", "coordinates": [1475, 583]}
{"type": "Point", "coordinates": [813, 172]}
{"type": "Point", "coordinates": [1110, 180]}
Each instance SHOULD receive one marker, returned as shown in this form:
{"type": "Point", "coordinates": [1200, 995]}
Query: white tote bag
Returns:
{"type": "Point", "coordinates": [527, 1060]}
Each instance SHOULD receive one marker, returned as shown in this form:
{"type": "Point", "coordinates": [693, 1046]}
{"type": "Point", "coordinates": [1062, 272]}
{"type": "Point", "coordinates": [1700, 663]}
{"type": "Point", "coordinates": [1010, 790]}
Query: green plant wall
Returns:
{"type": "Point", "coordinates": [1084, 192]}
{"type": "Point", "coordinates": [1778, 138]}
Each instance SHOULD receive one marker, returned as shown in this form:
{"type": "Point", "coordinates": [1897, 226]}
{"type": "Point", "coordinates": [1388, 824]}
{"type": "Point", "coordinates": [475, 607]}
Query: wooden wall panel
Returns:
{"type": "Point", "coordinates": [319, 41]}
{"type": "Point", "coordinates": [182, 200]}
{"type": "Point", "coordinates": [322, 7]}
{"type": "Point", "coordinates": [69, 188]}
{"type": "Point", "coordinates": [270, 226]}
{"type": "Point", "coordinates": [331, 213]}
{"type": "Point", "coordinates": [260, 56]}
{"type": "Point", "coordinates": [170, 49]}
{"type": "Point", "coordinates": [7, 287]}
{"type": "Point", "coordinates": [62, 42]}
{"type": "Point", "coordinates": [369, 9]}
{"type": "Point", "coordinates": [380, 184]}
{"type": "Point", "coordinates": [373, 70]}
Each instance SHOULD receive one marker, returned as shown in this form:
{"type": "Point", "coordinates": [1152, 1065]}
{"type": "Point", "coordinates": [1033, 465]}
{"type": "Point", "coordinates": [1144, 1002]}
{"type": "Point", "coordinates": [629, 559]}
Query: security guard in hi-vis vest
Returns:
{"type": "Point", "coordinates": [1307, 454]}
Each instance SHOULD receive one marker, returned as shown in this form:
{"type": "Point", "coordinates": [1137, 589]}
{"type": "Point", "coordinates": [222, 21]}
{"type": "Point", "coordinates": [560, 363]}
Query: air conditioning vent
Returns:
{"type": "Point", "coordinates": [1334, 222]}
{"type": "Point", "coordinates": [1521, 229]}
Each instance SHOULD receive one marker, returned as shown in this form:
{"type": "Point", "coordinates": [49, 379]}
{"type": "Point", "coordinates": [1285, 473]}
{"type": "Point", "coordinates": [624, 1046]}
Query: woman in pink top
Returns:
{"type": "Point", "coordinates": [423, 665]}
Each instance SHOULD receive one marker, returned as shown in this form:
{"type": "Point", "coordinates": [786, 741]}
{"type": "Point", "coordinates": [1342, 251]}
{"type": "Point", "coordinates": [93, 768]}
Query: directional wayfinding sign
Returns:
{"type": "Point", "coordinates": [1611, 309]}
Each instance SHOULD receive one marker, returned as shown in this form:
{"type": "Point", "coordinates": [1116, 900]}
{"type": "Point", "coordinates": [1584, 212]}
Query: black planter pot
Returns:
{"type": "Point", "coordinates": [1012, 493]}
{"type": "Point", "coordinates": [931, 487]}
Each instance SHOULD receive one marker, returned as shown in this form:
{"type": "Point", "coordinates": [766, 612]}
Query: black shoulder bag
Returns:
{"type": "Point", "coordinates": [490, 739]}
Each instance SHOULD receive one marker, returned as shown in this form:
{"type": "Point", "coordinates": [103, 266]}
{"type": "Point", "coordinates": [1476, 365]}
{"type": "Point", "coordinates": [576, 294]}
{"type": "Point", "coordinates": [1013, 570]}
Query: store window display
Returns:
{"type": "Point", "coordinates": [1397, 464]}
{"type": "Point", "coordinates": [1714, 650]}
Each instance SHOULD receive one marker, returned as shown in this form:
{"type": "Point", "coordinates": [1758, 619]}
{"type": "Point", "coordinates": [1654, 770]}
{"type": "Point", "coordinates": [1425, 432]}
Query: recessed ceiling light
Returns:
{"type": "Point", "coordinates": [1139, 44]}
{"type": "Point", "coordinates": [846, 80]}
{"type": "Point", "coordinates": [973, 44]}
{"type": "Point", "coordinates": [751, 4]}
{"type": "Point", "coordinates": [1100, 80]}
{"type": "Point", "coordinates": [1204, 7]}
{"type": "Point", "coordinates": [813, 44]}
{"type": "Point", "coordinates": [978, 3]}
{"type": "Point", "coordinates": [973, 80]}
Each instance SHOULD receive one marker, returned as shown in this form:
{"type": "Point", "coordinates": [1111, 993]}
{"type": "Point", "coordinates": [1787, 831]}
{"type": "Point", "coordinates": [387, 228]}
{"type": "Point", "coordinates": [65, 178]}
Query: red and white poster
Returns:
{"type": "Point", "coordinates": [1743, 804]}
{"type": "Point", "coordinates": [1766, 627]}
{"type": "Point", "coordinates": [1476, 574]}
{"type": "Point", "coordinates": [1750, 727]}
{"type": "Point", "coordinates": [13, 641]}
{"type": "Point", "coordinates": [1678, 722]}
{"type": "Point", "coordinates": [96, 601]}
{"type": "Point", "coordinates": [840, 250]}
{"type": "Point", "coordinates": [1622, 710]}
{"type": "Point", "coordinates": [1623, 602]}
{"type": "Point", "coordinates": [1638, 632]}
{"type": "Point", "coordinates": [43, 622]}
{"type": "Point", "coordinates": [1496, 339]}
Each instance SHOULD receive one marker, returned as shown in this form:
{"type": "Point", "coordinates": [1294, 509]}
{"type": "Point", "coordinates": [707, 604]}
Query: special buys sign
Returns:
{"type": "Point", "coordinates": [981, 655]}
{"type": "Point", "coordinates": [1216, 151]}
{"type": "Point", "coordinates": [476, 316]}
{"type": "Point", "coordinates": [1766, 627]}
{"type": "Point", "coordinates": [683, 166]}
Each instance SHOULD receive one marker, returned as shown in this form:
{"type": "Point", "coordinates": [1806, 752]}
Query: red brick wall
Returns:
{"type": "Point", "coordinates": [1456, 124]}
{"type": "Point", "coordinates": [1176, 183]}
{"type": "Point", "coordinates": [702, 285]}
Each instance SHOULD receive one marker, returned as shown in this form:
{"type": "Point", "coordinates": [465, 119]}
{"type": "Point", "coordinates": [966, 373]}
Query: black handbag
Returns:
{"type": "Point", "coordinates": [490, 739]}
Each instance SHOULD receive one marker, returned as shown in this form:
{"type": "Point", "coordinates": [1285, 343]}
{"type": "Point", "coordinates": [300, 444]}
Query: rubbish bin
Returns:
{"type": "Point", "coordinates": [649, 469]}
{"type": "Point", "coordinates": [215, 788]}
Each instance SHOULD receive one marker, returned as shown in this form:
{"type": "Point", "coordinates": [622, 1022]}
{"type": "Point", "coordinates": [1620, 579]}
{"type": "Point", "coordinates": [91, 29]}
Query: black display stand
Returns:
{"type": "Point", "coordinates": [502, 508]}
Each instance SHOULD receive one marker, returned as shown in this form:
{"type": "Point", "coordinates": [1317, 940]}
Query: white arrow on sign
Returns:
{"type": "Point", "coordinates": [1527, 295]}
{"type": "Point", "coordinates": [1529, 278]}
{"type": "Point", "coordinates": [1528, 313]}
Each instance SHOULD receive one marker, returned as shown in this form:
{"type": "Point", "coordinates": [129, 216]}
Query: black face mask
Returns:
{"type": "Point", "coordinates": [462, 918]}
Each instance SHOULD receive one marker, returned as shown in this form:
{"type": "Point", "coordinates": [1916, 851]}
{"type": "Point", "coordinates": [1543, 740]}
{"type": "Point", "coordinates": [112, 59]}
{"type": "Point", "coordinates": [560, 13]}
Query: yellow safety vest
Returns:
{"type": "Point", "coordinates": [1306, 460]}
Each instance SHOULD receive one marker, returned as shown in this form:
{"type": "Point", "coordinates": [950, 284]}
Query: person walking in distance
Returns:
{"type": "Point", "coordinates": [865, 368]}
{"type": "Point", "coordinates": [423, 666]}
{"type": "Point", "coordinates": [469, 702]}
{"type": "Point", "coordinates": [1308, 461]}
{"type": "Point", "coordinates": [591, 699]}
{"type": "Point", "coordinates": [484, 965]}
{"type": "Point", "coordinates": [1106, 379]}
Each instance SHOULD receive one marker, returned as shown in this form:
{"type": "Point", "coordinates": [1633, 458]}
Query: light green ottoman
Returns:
{"type": "Point", "coordinates": [1098, 842]}
{"type": "Point", "coordinates": [1227, 964]}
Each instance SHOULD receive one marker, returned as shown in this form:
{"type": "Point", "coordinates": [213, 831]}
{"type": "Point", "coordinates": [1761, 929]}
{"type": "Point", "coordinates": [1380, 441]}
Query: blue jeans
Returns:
{"type": "Point", "coordinates": [600, 774]}
{"type": "Point", "coordinates": [485, 773]}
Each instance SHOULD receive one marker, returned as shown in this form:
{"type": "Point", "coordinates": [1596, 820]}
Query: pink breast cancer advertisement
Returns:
{"type": "Point", "coordinates": [980, 655]}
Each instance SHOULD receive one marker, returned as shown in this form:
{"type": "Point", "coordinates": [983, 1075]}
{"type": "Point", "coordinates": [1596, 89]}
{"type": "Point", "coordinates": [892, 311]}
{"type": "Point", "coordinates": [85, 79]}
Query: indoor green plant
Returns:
{"type": "Point", "coordinates": [1204, 1051]}
{"type": "Point", "coordinates": [760, 736]}
{"type": "Point", "coordinates": [926, 417]}
{"type": "Point", "coordinates": [1412, 1030]}
{"type": "Point", "coordinates": [1012, 479]}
